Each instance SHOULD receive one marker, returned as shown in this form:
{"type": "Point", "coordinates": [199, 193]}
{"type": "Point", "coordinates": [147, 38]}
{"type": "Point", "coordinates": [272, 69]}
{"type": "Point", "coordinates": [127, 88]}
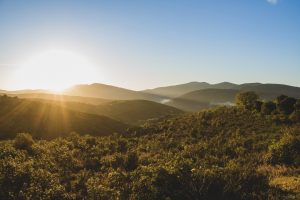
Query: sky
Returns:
{"type": "Point", "coordinates": [141, 44]}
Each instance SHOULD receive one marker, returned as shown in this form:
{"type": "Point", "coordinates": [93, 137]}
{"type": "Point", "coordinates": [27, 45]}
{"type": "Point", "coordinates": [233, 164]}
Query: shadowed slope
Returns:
{"type": "Point", "coordinates": [130, 111]}
{"type": "Point", "coordinates": [46, 120]}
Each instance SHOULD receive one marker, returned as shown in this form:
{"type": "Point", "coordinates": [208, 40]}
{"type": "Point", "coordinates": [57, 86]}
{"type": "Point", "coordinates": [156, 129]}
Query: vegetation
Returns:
{"type": "Point", "coordinates": [247, 99]}
{"type": "Point", "coordinates": [224, 153]}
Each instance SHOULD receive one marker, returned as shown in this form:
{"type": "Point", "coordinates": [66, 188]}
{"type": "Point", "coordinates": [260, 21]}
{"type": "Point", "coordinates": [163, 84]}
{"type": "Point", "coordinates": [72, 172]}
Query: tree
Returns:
{"type": "Point", "coordinates": [286, 106]}
{"type": "Point", "coordinates": [23, 141]}
{"type": "Point", "coordinates": [295, 116]}
{"type": "Point", "coordinates": [268, 107]}
{"type": "Point", "coordinates": [257, 106]}
{"type": "Point", "coordinates": [280, 98]}
{"type": "Point", "coordinates": [247, 100]}
{"type": "Point", "coordinates": [286, 151]}
{"type": "Point", "coordinates": [131, 161]}
{"type": "Point", "coordinates": [297, 105]}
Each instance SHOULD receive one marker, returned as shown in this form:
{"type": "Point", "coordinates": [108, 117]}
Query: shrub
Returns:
{"type": "Point", "coordinates": [247, 100]}
{"type": "Point", "coordinates": [286, 151]}
{"type": "Point", "coordinates": [286, 106]}
{"type": "Point", "coordinates": [268, 107]}
{"type": "Point", "coordinates": [23, 141]}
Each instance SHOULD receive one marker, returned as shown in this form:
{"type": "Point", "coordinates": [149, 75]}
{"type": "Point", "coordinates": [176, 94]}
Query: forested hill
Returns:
{"type": "Point", "coordinates": [48, 120]}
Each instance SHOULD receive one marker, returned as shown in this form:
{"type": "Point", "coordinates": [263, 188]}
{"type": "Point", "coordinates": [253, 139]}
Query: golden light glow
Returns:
{"type": "Point", "coordinates": [55, 70]}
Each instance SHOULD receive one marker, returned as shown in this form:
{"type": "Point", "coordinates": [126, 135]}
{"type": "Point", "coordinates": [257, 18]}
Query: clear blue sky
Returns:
{"type": "Point", "coordinates": [143, 44]}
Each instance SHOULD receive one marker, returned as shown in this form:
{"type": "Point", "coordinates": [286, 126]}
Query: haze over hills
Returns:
{"type": "Point", "coordinates": [46, 120]}
{"type": "Point", "coordinates": [201, 99]}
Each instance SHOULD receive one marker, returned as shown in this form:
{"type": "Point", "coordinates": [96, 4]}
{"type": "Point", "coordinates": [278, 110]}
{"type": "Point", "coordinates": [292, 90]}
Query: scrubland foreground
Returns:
{"type": "Point", "coordinates": [248, 151]}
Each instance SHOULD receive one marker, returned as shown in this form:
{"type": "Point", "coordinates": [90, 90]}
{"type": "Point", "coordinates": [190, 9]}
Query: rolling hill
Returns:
{"type": "Point", "coordinates": [268, 90]}
{"type": "Point", "coordinates": [181, 89]}
{"type": "Point", "coordinates": [177, 90]}
{"type": "Point", "coordinates": [191, 96]}
{"type": "Point", "coordinates": [136, 111]}
{"type": "Point", "coordinates": [98, 90]}
{"type": "Point", "coordinates": [201, 99]}
{"type": "Point", "coordinates": [48, 120]}
{"type": "Point", "coordinates": [128, 111]}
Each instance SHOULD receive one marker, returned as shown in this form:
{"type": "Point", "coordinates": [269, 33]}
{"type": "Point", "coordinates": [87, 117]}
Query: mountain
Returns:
{"type": "Point", "coordinates": [269, 91]}
{"type": "Point", "coordinates": [177, 90]}
{"type": "Point", "coordinates": [98, 90]}
{"type": "Point", "coordinates": [129, 111]}
{"type": "Point", "coordinates": [223, 85]}
{"type": "Point", "coordinates": [48, 120]}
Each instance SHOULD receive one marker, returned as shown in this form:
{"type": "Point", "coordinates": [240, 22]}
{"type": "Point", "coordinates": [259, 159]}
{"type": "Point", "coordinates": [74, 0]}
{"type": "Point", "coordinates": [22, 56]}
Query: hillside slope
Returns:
{"type": "Point", "coordinates": [46, 120]}
{"type": "Point", "coordinates": [128, 111]}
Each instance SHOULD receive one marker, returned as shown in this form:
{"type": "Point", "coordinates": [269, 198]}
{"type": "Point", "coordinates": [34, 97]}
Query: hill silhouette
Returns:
{"type": "Point", "coordinates": [48, 120]}
{"type": "Point", "coordinates": [177, 90]}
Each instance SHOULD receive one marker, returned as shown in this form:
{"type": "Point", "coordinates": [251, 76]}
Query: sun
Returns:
{"type": "Point", "coordinates": [55, 70]}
